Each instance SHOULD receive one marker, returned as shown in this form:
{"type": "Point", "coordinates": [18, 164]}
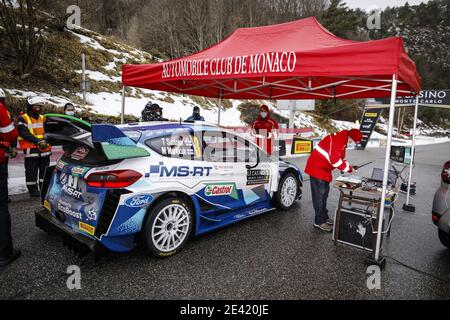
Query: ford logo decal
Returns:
{"type": "Point", "coordinates": [139, 201]}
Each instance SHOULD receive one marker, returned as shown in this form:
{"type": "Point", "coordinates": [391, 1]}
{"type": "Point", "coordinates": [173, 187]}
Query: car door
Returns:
{"type": "Point", "coordinates": [232, 184]}
{"type": "Point", "coordinates": [257, 168]}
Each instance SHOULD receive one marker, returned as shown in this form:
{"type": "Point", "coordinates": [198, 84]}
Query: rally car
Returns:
{"type": "Point", "coordinates": [156, 184]}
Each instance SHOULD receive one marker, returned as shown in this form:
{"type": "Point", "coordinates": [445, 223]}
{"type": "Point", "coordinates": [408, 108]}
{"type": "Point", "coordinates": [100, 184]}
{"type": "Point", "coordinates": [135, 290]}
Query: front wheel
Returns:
{"type": "Point", "coordinates": [288, 191]}
{"type": "Point", "coordinates": [168, 227]}
{"type": "Point", "coordinates": [445, 238]}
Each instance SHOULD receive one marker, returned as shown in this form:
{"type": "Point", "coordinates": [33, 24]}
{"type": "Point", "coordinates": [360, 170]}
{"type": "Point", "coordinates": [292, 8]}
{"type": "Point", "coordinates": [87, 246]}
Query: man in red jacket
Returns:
{"type": "Point", "coordinates": [328, 155]}
{"type": "Point", "coordinates": [267, 127]}
{"type": "Point", "coordinates": [8, 135]}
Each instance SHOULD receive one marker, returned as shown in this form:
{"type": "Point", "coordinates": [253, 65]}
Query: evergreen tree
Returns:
{"type": "Point", "coordinates": [341, 20]}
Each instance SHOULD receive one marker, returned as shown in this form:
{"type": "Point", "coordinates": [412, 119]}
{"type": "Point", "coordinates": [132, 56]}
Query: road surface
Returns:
{"type": "Point", "coordinates": [278, 255]}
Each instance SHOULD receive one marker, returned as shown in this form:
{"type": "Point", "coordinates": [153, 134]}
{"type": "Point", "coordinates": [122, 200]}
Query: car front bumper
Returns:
{"type": "Point", "coordinates": [78, 243]}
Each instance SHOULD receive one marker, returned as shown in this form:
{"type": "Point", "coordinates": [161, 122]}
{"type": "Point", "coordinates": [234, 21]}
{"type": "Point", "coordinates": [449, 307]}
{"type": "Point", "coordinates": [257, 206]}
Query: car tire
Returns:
{"type": "Point", "coordinates": [288, 192]}
{"type": "Point", "coordinates": [445, 238]}
{"type": "Point", "coordinates": [167, 227]}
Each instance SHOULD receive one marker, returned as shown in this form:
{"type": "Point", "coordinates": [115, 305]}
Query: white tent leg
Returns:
{"type": "Point", "coordinates": [386, 169]}
{"type": "Point", "coordinates": [413, 150]}
{"type": "Point", "coordinates": [122, 114]}
{"type": "Point", "coordinates": [291, 117]}
{"type": "Point", "coordinates": [220, 110]}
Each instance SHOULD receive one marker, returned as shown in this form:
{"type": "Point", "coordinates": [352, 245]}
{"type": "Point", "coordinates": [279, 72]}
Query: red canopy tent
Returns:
{"type": "Point", "coordinates": [295, 60]}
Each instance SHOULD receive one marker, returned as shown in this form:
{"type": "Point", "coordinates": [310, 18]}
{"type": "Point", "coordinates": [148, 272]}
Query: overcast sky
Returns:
{"type": "Point", "coordinates": [364, 4]}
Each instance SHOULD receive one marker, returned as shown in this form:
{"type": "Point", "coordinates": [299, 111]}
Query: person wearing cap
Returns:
{"type": "Point", "coordinates": [195, 115]}
{"type": "Point", "coordinates": [153, 113]}
{"type": "Point", "coordinates": [328, 156]}
{"type": "Point", "coordinates": [266, 126]}
{"type": "Point", "coordinates": [146, 113]}
{"type": "Point", "coordinates": [8, 135]}
{"type": "Point", "coordinates": [31, 140]}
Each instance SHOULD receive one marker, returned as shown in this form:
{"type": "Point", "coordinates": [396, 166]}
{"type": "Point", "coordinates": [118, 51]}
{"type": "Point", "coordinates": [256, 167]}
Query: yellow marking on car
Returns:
{"type": "Point", "coordinates": [86, 228]}
{"type": "Point", "coordinates": [47, 205]}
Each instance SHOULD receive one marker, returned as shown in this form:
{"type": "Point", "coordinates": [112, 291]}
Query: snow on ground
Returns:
{"type": "Point", "coordinates": [51, 99]}
{"type": "Point", "coordinates": [181, 107]}
{"type": "Point", "coordinates": [304, 120]}
{"type": "Point", "coordinates": [110, 66]}
{"type": "Point", "coordinates": [98, 76]}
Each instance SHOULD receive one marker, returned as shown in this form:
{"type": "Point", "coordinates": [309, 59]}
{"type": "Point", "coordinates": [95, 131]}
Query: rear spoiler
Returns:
{"type": "Point", "coordinates": [63, 130]}
{"type": "Point", "coordinates": [115, 144]}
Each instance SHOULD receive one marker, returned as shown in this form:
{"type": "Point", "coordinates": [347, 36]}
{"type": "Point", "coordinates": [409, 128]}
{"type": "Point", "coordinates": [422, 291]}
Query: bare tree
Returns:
{"type": "Point", "coordinates": [23, 28]}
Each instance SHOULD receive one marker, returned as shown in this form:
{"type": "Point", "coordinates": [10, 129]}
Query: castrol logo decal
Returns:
{"type": "Point", "coordinates": [221, 189]}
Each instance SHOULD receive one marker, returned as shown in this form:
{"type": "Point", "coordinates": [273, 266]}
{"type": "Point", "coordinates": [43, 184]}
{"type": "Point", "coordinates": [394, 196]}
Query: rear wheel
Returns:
{"type": "Point", "coordinates": [445, 238]}
{"type": "Point", "coordinates": [168, 227]}
{"type": "Point", "coordinates": [288, 191]}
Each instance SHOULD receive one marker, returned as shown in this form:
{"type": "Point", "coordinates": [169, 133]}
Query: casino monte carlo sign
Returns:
{"type": "Point", "coordinates": [429, 98]}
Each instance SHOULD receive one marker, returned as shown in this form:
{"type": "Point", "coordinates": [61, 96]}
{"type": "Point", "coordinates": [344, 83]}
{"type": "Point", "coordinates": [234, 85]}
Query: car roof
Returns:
{"type": "Point", "coordinates": [157, 126]}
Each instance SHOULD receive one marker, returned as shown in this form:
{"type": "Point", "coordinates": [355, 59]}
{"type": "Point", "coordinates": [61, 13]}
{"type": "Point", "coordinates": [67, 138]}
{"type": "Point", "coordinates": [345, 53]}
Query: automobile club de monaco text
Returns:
{"type": "Point", "coordinates": [273, 62]}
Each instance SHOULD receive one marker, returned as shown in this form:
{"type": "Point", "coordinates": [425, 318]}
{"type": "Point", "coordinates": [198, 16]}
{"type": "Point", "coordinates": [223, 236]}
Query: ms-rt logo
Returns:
{"type": "Point", "coordinates": [179, 171]}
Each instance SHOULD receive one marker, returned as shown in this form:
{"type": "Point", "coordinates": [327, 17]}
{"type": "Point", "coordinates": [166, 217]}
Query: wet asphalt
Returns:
{"type": "Point", "coordinates": [278, 255]}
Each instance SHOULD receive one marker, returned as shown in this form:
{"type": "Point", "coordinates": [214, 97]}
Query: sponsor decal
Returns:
{"type": "Point", "coordinates": [302, 146]}
{"type": "Point", "coordinates": [66, 208]}
{"type": "Point", "coordinates": [180, 171]}
{"type": "Point", "coordinates": [61, 165]}
{"type": "Point", "coordinates": [221, 189]}
{"type": "Point", "coordinates": [256, 212]}
{"type": "Point", "coordinates": [92, 215]}
{"type": "Point", "coordinates": [69, 180]}
{"type": "Point", "coordinates": [47, 205]}
{"type": "Point", "coordinates": [250, 213]}
{"type": "Point", "coordinates": [139, 201]}
{"type": "Point", "coordinates": [223, 167]}
{"type": "Point", "coordinates": [86, 228]}
{"type": "Point", "coordinates": [78, 171]}
{"type": "Point", "coordinates": [72, 192]}
{"type": "Point", "coordinates": [80, 153]}
{"type": "Point", "coordinates": [70, 185]}
{"type": "Point", "coordinates": [368, 124]}
{"type": "Point", "coordinates": [258, 176]}
{"type": "Point", "coordinates": [432, 98]}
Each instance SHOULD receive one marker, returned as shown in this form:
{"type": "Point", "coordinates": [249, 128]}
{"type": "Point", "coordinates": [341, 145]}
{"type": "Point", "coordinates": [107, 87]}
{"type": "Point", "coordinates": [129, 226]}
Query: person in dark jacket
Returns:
{"type": "Point", "coordinates": [195, 115]}
{"type": "Point", "coordinates": [152, 113]}
{"type": "Point", "coordinates": [147, 113]}
{"type": "Point", "coordinates": [31, 140]}
{"type": "Point", "coordinates": [8, 135]}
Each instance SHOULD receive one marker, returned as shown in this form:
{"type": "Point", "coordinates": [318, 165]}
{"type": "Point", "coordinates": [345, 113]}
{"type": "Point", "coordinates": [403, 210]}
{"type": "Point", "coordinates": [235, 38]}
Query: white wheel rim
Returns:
{"type": "Point", "coordinates": [288, 191]}
{"type": "Point", "coordinates": [170, 228]}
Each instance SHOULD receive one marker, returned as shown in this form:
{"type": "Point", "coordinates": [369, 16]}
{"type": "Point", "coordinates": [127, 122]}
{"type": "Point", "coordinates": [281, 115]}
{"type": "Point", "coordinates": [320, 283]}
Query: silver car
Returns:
{"type": "Point", "coordinates": [441, 207]}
